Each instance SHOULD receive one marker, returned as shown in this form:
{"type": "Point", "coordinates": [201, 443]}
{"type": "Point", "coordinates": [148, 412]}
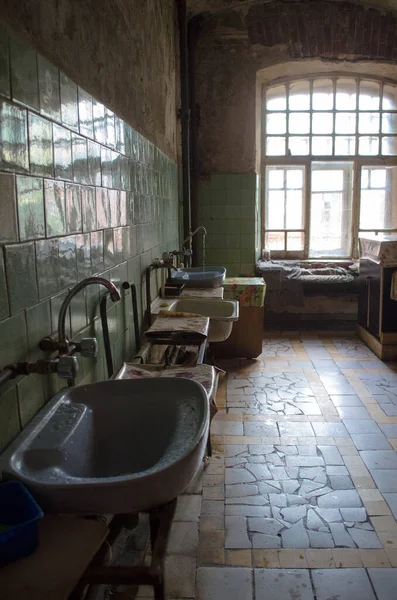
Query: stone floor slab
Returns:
{"type": "Point", "coordinates": [342, 584]}
{"type": "Point", "coordinates": [384, 582]}
{"type": "Point", "coordinates": [371, 441]}
{"type": "Point", "coordinates": [280, 584]}
{"type": "Point", "coordinates": [233, 583]}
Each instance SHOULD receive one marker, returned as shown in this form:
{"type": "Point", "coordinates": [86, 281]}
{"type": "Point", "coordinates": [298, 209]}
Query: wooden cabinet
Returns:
{"type": "Point", "coordinates": [377, 312]}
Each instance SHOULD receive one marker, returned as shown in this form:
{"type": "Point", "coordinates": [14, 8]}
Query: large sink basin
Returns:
{"type": "Point", "coordinates": [112, 447]}
{"type": "Point", "coordinates": [200, 277]}
{"type": "Point", "coordinates": [222, 314]}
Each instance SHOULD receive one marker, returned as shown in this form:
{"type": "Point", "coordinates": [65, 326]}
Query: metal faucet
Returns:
{"type": "Point", "coordinates": [114, 295]}
{"type": "Point", "coordinates": [192, 233]}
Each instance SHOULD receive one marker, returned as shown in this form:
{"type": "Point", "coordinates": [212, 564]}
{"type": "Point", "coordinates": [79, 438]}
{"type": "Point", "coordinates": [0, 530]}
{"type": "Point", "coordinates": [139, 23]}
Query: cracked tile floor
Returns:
{"type": "Point", "coordinates": [299, 500]}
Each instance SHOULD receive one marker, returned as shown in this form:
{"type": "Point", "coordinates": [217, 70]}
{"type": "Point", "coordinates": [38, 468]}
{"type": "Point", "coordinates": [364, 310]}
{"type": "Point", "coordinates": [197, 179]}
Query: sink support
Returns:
{"type": "Point", "coordinates": [160, 521]}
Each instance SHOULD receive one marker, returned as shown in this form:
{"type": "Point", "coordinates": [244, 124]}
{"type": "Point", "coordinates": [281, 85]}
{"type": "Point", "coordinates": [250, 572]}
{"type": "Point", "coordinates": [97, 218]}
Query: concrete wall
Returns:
{"type": "Point", "coordinates": [123, 53]}
{"type": "Point", "coordinates": [81, 193]}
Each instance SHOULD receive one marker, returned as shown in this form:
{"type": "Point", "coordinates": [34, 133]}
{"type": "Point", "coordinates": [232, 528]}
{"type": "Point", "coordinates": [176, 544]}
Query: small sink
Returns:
{"type": "Point", "coordinates": [200, 277]}
{"type": "Point", "coordinates": [222, 314]}
{"type": "Point", "coordinates": [112, 447]}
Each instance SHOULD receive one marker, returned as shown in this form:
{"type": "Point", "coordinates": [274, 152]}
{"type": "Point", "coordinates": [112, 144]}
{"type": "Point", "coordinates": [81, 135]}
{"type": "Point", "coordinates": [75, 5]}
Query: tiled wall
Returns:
{"type": "Point", "coordinates": [228, 207]}
{"type": "Point", "coordinates": [81, 193]}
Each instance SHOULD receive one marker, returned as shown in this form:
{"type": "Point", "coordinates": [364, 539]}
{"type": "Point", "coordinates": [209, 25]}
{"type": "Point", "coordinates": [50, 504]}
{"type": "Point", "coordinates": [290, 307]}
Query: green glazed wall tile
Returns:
{"type": "Point", "coordinates": [116, 169]}
{"type": "Point", "coordinates": [233, 197]}
{"type": "Point", "coordinates": [67, 261]}
{"type": "Point", "coordinates": [14, 331]}
{"type": "Point", "coordinates": [247, 240]}
{"type": "Point", "coordinates": [114, 209]}
{"type": "Point", "coordinates": [56, 303]}
{"type": "Point", "coordinates": [133, 241]}
{"type": "Point", "coordinates": [94, 163]}
{"type": "Point", "coordinates": [108, 248]}
{"type": "Point", "coordinates": [4, 307]}
{"type": "Point", "coordinates": [54, 200]}
{"type": "Point", "coordinates": [9, 423]}
{"type": "Point", "coordinates": [219, 212]}
{"type": "Point", "coordinates": [62, 153]}
{"type": "Point", "coordinates": [120, 134]}
{"type": "Point", "coordinates": [80, 159]}
{"type": "Point", "coordinates": [233, 269]}
{"type": "Point", "coordinates": [126, 242]}
{"type": "Point", "coordinates": [69, 102]}
{"type": "Point", "coordinates": [122, 208]}
{"type": "Point", "coordinates": [78, 313]}
{"type": "Point", "coordinates": [8, 209]}
{"type": "Point", "coordinates": [25, 88]}
{"type": "Point", "coordinates": [232, 240]}
{"type": "Point", "coordinates": [97, 251]}
{"type": "Point", "coordinates": [233, 211]}
{"type": "Point", "coordinates": [13, 138]}
{"type": "Point", "coordinates": [40, 146]}
{"type": "Point", "coordinates": [218, 182]}
{"type": "Point", "coordinates": [248, 226]}
{"type": "Point", "coordinates": [38, 323]}
{"type": "Point", "coordinates": [233, 255]}
{"type": "Point", "coordinates": [102, 208]}
{"type": "Point", "coordinates": [99, 122]}
{"type": "Point", "coordinates": [110, 128]}
{"type": "Point", "coordinates": [30, 397]}
{"type": "Point", "coordinates": [118, 244]}
{"type": "Point", "coordinates": [88, 208]}
{"type": "Point", "coordinates": [217, 241]}
{"type": "Point", "coordinates": [85, 113]}
{"type": "Point", "coordinates": [83, 253]}
{"type": "Point", "coordinates": [218, 257]}
{"type": "Point", "coordinates": [5, 87]}
{"type": "Point", "coordinates": [21, 276]}
{"type": "Point", "coordinates": [49, 90]}
{"type": "Point", "coordinates": [92, 302]}
{"type": "Point", "coordinates": [30, 207]}
{"type": "Point", "coordinates": [248, 199]}
{"type": "Point", "coordinates": [73, 208]}
{"type": "Point", "coordinates": [218, 197]}
{"type": "Point", "coordinates": [246, 270]}
{"type": "Point", "coordinates": [106, 167]}
{"type": "Point", "coordinates": [247, 255]}
{"type": "Point", "coordinates": [47, 261]}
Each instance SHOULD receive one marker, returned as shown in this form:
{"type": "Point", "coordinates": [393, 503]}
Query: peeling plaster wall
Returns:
{"type": "Point", "coordinates": [123, 53]}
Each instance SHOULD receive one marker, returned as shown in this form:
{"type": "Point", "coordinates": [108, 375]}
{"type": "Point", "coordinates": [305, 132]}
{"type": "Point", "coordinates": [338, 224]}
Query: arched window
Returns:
{"type": "Point", "coordinates": [329, 157]}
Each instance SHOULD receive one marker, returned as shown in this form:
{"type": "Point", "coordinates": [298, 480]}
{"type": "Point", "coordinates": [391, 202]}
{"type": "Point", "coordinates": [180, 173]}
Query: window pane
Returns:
{"type": "Point", "coordinates": [378, 205]}
{"type": "Point", "coordinates": [345, 122]}
{"type": "Point", "coordinates": [276, 98]}
{"type": "Point", "coordinates": [321, 145]}
{"type": "Point", "coordinates": [323, 123]}
{"type": "Point", "coordinates": [345, 146]}
{"type": "Point", "coordinates": [298, 146]}
{"type": "Point", "coordinates": [368, 146]}
{"type": "Point", "coordinates": [275, 146]}
{"type": "Point", "coordinates": [323, 94]}
{"type": "Point", "coordinates": [275, 210]}
{"type": "Point", "coordinates": [276, 123]}
{"type": "Point", "coordinates": [369, 95]}
{"type": "Point", "coordinates": [294, 216]}
{"type": "Point", "coordinates": [368, 123]}
{"type": "Point", "coordinates": [295, 179]}
{"type": "Point", "coordinates": [378, 178]}
{"type": "Point", "coordinates": [327, 180]}
{"type": "Point", "coordinates": [299, 122]}
{"type": "Point", "coordinates": [389, 146]}
{"type": "Point", "coordinates": [295, 240]}
{"type": "Point", "coordinates": [389, 97]}
{"type": "Point", "coordinates": [275, 179]}
{"type": "Point", "coordinates": [346, 95]}
{"type": "Point", "coordinates": [389, 123]}
{"type": "Point", "coordinates": [299, 97]}
{"type": "Point", "coordinates": [275, 240]}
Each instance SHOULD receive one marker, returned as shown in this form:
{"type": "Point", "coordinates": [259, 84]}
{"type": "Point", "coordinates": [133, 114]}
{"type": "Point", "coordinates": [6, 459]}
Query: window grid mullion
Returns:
{"type": "Point", "coordinates": [333, 114]}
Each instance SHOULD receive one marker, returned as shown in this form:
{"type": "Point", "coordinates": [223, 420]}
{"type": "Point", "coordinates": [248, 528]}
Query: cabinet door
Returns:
{"type": "Point", "coordinates": [389, 308]}
{"type": "Point", "coordinates": [369, 295]}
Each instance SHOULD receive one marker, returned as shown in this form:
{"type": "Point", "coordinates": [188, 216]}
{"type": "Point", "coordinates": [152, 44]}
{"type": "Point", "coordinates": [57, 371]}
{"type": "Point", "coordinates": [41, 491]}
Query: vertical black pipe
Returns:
{"type": "Point", "coordinates": [193, 32]}
{"type": "Point", "coordinates": [184, 114]}
{"type": "Point", "coordinates": [106, 336]}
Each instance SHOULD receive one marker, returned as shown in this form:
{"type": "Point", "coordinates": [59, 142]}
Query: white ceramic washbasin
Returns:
{"type": "Point", "coordinates": [112, 447]}
{"type": "Point", "coordinates": [200, 277]}
{"type": "Point", "coordinates": [222, 314]}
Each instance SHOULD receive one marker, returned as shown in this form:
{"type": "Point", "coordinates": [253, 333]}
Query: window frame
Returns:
{"type": "Point", "coordinates": [306, 161]}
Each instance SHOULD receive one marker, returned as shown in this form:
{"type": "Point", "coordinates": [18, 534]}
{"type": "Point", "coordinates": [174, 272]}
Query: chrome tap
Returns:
{"type": "Point", "coordinates": [114, 295]}
{"type": "Point", "coordinates": [192, 233]}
